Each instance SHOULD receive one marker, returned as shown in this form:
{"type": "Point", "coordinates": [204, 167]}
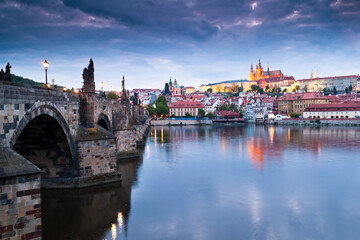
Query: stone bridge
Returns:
{"type": "Point", "coordinates": [73, 138]}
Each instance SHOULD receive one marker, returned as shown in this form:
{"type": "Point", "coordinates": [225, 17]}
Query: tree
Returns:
{"type": "Point", "coordinates": [261, 91]}
{"type": "Point", "coordinates": [161, 106]}
{"type": "Point", "coordinates": [210, 115]}
{"type": "Point", "coordinates": [254, 88]}
{"type": "Point", "coordinates": [209, 90]}
{"type": "Point", "coordinates": [297, 88]}
{"type": "Point", "coordinates": [235, 88]}
{"type": "Point", "coordinates": [188, 115]}
{"type": "Point", "coordinates": [350, 88]}
{"type": "Point", "coordinates": [267, 88]}
{"type": "Point", "coordinates": [334, 90]}
{"type": "Point", "coordinates": [346, 90]}
{"type": "Point", "coordinates": [151, 110]}
{"type": "Point", "coordinates": [295, 115]}
{"type": "Point", "coordinates": [201, 112]}
{"type": "Point", "coordinates": [233, 108]}
{"type": "Point", "coordinates": [285, 90]}
{"type": "Point", "coordinates": [305, 88]}
{"type": "Point", "coordinates": [112, 95]}
{"type": "Point", "coordinates": [218, 89]}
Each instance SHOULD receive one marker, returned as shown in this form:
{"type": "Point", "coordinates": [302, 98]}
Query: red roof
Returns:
{"type": "Point", "coordinates": [348, 106]}
{"type": "Point", "coordinates": [186, 104]}
{"type": "Point", "coordinates": [301, 96]}
{"type": "Point", "coordinates": [229, 114]}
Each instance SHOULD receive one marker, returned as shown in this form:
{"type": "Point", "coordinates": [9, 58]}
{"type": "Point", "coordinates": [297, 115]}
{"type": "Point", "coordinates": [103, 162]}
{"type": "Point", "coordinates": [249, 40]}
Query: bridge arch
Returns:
{"type": "Point", "coordinates": [104, 122]}
{"type": "Point", "coordinates": [44, 138]}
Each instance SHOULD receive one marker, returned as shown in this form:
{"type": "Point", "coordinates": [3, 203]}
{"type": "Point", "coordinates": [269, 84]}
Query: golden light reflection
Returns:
{"type": "Point", "coordinates": [272, 133]}
{"type": "Point", "coordinates": [256, 154]}
{"type": "Point", "coordinates": [288, 134]}
{"type": "Point", "coordinates": [120, 220]}
{"type": "Point", "coordinates": [162, 136]}
{"type": "Point", "coordinates": [223, 145]}
{"type": "Point", "coordinates": [113, 231]}
{"type": "Point", "coordinates": [155, 136]}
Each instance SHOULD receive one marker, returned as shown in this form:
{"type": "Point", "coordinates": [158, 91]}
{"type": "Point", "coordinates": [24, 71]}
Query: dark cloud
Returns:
{"type": "Point", "coordinates": [61, 21]}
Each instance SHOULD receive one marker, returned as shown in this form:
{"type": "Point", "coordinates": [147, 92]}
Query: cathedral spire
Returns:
{"type": "Point", "coordinates": [259, 63]}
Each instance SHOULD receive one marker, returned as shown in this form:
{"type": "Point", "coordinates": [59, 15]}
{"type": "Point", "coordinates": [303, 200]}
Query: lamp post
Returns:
{"type": "Point", "coordinates": [46, 65]}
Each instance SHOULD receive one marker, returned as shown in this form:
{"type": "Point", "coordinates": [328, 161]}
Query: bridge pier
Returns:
{"type": "Point", "coordinates": [20, 202]}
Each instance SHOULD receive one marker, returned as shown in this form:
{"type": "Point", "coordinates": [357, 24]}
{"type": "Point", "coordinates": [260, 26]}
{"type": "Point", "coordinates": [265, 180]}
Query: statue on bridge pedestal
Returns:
{"type": "Point", "coordinates": [6, 76]}
{"type": "Point", "coordinates": [2, 75]}
{"type": "Point", "coordinates": [124, 98]}
{"type": "Point", "coordinates": [88, 76]}
{"type": "Point", "coordinates": [135, 99]}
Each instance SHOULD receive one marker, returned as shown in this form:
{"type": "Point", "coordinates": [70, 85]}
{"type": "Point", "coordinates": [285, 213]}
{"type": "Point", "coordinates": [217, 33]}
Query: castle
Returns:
{"type": "Point", "coordinates": [260, 74]}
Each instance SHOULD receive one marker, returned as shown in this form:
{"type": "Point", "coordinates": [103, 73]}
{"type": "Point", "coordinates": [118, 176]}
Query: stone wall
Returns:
{"type": "Point", "coordinates": [126, 140]}
{"type": "Point", "coordinates": [20, 207]}
{"type": "Point", "coordinates": [96, 157]}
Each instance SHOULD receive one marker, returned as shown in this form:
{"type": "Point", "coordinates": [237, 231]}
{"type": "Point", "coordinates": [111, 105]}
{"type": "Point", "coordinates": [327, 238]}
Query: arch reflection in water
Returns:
{"type": "Point", "coordinates": [90, 213]}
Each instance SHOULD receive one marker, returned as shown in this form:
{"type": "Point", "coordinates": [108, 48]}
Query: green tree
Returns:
{"type": "Point", "coordinates": [261, 91]}
{"type": "Point", "coordinates": [188, 115]}
{"type": "Point", "coordinates": [209, 90]}
{"type": "Point", "coordinates": [285, 90]}
{"type": "Point", "coordinates": [151, 110]}
{"type": "Point", "coordinates": [295, 115]}
{"type": "Point", "coordinates": [161, 106]}
{"type": "Point", "coordinates": [350, 88]}
{"type": "Point", "coordinates": [334, 90]}
{"type": "Point", "coordinates": [233, 108]}
{"type": "Point", "coordinates": [210, 115]}
{"type": "Point", "coordinates": [254, 88]}
{"type": "Point", "coordinates": [267, 88]}
{"type": "Point", "coordinates": [305, 88]}
{"type": "Point", "coordinates": [297, 88]}
{"type": "Point", "coordinates": [201, 112]}
{"type": "Point", "coordinates": [112, 95]}
{"type": "Point", "coordinates": [346, 90]}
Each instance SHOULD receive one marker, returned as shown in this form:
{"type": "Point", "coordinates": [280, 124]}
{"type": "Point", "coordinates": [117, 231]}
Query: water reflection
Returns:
{"type": "Point", "coordinates": [204, 182]}
{"type": "Point", "coordinates": [89, 213]}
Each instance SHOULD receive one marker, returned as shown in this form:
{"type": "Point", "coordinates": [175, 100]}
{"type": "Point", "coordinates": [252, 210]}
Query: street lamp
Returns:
{"type": "Point", "coordinates": [46, 65]}
{"type": "Point", "coordinates": [102, 86]}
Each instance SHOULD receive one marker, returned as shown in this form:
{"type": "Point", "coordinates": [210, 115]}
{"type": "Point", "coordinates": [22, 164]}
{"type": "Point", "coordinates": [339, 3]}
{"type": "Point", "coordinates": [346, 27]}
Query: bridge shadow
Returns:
{"type": "Point", "coordinates": [89, 213]}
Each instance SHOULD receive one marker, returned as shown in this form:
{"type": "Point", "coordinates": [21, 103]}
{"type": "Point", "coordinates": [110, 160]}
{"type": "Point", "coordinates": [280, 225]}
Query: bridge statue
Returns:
{"type": "Point", "coordinates": [2, 75]}
{"type": "Point", "coordinates": [8, 77]}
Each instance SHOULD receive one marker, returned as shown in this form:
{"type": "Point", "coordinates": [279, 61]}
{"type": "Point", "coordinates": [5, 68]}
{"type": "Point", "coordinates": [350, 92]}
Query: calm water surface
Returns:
{"type": "Point", "coordinates": [250, 182]}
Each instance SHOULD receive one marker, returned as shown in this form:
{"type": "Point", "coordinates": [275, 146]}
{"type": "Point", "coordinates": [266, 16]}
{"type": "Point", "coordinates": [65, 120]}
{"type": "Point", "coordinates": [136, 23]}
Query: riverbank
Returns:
{"type": "Point", "coordinates": [180, 122]}
{"type": "Point", "coordinates": [326, 122]}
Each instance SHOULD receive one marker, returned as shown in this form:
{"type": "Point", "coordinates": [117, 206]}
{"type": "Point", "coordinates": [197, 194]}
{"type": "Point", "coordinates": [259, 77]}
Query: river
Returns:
{"type": "Point", "coordinates": [245, 182]}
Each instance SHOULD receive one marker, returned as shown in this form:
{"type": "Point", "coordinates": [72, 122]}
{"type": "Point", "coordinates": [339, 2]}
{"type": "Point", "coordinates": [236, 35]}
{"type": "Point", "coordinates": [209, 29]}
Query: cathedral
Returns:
{"type": "Point", "coordinates": [261, 74]}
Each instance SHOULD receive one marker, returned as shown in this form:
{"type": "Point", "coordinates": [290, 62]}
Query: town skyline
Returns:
{"type": "Point", "coordinates": [195, 43]}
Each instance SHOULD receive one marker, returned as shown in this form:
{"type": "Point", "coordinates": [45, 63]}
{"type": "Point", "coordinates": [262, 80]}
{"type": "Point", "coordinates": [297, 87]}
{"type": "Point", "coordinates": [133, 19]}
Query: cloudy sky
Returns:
{"type": "Point", "coordinates": [194, 41]}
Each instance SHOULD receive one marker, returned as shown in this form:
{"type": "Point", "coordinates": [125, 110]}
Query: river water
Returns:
{"type": "Point", "coordinates": [246, 182]}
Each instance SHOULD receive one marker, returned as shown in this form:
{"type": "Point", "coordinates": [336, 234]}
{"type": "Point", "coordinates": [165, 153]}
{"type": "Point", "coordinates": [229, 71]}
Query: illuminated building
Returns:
{"type": "Point", "coordinates": [260, 74]}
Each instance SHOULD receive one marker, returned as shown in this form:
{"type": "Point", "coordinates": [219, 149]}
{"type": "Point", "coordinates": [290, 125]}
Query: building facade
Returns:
{"type": "Point", "coordinates": [326, 111]}
{"type": "Point", "coordinates": [318, 84]}
{"type": "Point", "coordinates": [297, 102]}
{"type": "Point", "coordinates": [180, 108]}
